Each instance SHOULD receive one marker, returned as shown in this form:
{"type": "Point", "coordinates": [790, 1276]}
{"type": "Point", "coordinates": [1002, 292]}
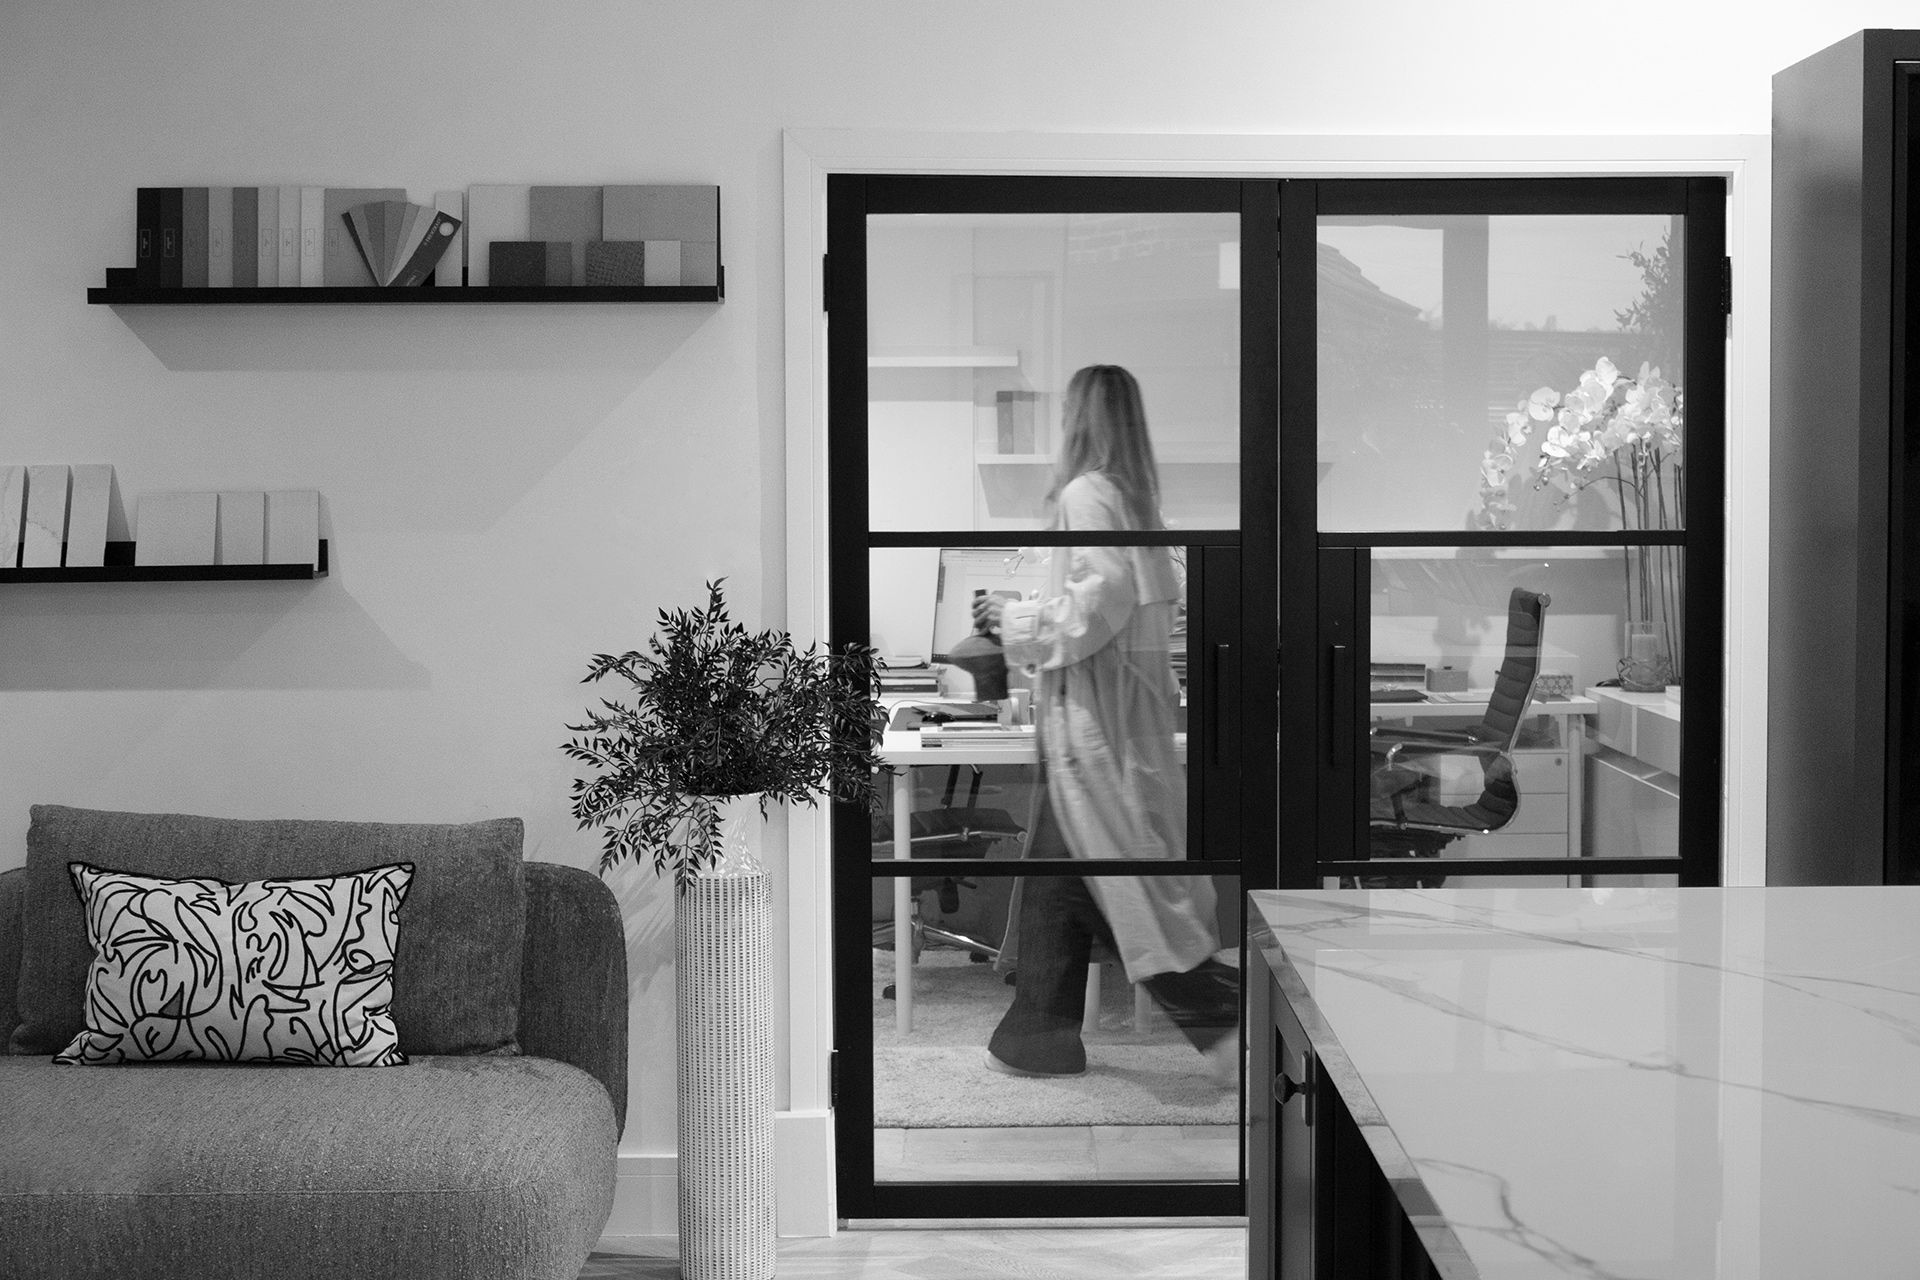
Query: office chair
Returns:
{"type": "Point", "coordinates": [949, 831]}
{"type": "Point", "coordinates": [1403, 820]}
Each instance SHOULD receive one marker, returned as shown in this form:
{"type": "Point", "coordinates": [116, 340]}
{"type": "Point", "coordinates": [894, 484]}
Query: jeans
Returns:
{"type": "Point", "coordinates": [1059, 923]}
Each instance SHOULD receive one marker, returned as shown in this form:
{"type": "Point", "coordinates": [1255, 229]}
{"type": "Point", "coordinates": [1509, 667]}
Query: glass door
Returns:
{"type": "Point", "coordinates": [1512, 536]}
{"type": "Point", "coordinates": [1050, 461]}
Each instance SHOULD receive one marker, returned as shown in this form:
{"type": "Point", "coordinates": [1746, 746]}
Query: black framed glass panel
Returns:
{"type": "Point", "coordinates": [1514, 711]}
{"type": "Point", "coordinates": [1517, 389]}
{"type": "Point", "coordinates": [1470, 370]}
{"type": "Point", "coordinates": [976, 323]}
{"type": "Point", "coordinates": [1099, 1078]}
{"type": "Point", "coordinates": [1040, 392]}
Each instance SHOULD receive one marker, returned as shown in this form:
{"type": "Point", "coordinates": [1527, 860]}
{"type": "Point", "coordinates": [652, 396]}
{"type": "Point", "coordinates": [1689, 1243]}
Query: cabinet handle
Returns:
{"type": "Point", "coordinates": [1284, 1089]}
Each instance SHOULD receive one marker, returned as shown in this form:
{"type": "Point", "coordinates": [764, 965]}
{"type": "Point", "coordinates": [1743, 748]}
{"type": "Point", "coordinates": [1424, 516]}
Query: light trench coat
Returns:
{"type": "Point", "coordinates": [1105, 702]}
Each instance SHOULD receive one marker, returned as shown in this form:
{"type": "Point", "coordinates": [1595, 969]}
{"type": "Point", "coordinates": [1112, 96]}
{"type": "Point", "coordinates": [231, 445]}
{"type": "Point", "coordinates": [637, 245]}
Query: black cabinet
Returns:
{"type": "Point", "coordinates": [1319, 1205]}
{"type": "Point", "coordinates": [1843, 770]}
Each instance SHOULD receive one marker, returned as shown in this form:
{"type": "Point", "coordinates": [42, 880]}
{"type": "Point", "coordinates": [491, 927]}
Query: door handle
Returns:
{"type": "Point", "coordinates": [1226, 694]}
{"type": "Point", "coordinates": [1339, 706]}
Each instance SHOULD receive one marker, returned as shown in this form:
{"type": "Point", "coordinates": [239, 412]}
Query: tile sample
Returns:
{"type": "Point", "coordinates": [219, 237]}
{"type": "Point", "coordinates": [516, 262]}
{"type": "Point", "coordinates": [663, 262]}
{"type": "Point", "coordinates": [659, 212]}
{"type": "Point", "coordinates": [240, 530]}
{"type": "Point", "coordinates": [194, 204]}
{"type": "Point", "coordinates": [699, 262]}
{"type": "Point", "coordinates": [616, 262]}
{"type": "Point", "coordinates": [91, 493]}
{"type": "Point", "coordinates": [246, 237]}
{"type": "Point", "coordinates": [266, 220]}
{"type": "Point", "coordinates": [293, 526]}
{"type": "Point", "coordinates": [289, 235]}
{"type": "Point", "coordinates": [46, 527]}
{"type": "Point", "coordinates": [313, 212]}
{"type": "Point", "coordinates": [174, 528]}
{"type": "Point", "coordinates": [13, 511]}
{"type": "Point", "coordinates": [494, 212]}
{"type": "Point", "coordinates": [569, 216]}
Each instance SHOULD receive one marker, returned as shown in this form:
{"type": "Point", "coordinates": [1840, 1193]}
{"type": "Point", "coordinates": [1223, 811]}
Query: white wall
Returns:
{"type": "Point", "coordinates": [509, 490]}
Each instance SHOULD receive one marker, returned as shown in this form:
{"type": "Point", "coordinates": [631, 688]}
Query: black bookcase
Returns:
{"type": "Point", "coordinates": [1843, 768]}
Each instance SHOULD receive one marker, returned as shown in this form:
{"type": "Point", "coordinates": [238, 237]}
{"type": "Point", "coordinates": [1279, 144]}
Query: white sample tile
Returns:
{"type": "Point", "coordinates": [293, 526]}
{"type": "Point", "coordinates": [313, 228]}
{"type": "Point", "coordinates": [494, 212]}
{"type": "Point", "coordinates": [661, 263]}
{"type": "Point", "coordinates": [46, 526]}
{"type": "Point", "coordinates": [175, 528]}
{"type": "Point", "coordinates": [13, 511]}
{"type": "Point", "coordinates": [241, 528]}
{"type": "Point", "coordinates": [699, 262]}
{"type": "Point", "coordinates": [289, 235]}
{"type": "Point", "coordinates": [91, 493]}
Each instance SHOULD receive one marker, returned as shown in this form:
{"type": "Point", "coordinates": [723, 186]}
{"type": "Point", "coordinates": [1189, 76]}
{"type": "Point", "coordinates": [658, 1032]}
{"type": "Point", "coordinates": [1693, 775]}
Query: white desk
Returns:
{"type": "Point", "coordinates": [903, 750]}
{"type": "Point", "coordinates": [1698, 1084]}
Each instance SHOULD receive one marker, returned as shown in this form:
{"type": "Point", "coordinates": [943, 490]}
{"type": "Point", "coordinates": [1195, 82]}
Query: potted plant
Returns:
{"type": "Point", "coordinates": [722, 722]}
{"type": "Point", "coordinates": [718, 713]}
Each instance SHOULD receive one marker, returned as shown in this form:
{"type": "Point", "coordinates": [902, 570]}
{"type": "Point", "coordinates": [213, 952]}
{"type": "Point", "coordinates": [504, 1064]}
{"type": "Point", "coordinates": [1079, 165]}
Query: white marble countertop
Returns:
{"type": "Point", "coordinates": [1704, 1084]}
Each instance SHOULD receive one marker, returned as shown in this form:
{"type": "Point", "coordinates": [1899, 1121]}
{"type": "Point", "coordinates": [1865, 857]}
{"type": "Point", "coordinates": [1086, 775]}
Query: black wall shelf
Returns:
{"type": "Point", "coordinates": [420, 294]}
{"type": "Point", "coordinates": [121, 568]}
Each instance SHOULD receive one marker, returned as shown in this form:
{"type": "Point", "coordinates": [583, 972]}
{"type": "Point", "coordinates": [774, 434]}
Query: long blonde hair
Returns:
{"type": "Point", "coordinates": [1104, 429]}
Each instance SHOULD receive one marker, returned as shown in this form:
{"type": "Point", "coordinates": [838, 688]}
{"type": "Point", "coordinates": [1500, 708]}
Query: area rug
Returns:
{"type": "Point", "coordinates": [934, 1077]}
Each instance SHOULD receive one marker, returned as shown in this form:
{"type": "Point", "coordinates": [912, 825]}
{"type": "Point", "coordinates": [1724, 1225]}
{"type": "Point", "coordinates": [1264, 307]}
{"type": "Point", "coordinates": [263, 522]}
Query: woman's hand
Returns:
{"type": "Point", "coordinates": [986, 612]}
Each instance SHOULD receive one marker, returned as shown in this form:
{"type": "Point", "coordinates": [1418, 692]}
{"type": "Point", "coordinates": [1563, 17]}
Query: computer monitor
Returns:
{"type": "Point", "coordinates": [967, 570]}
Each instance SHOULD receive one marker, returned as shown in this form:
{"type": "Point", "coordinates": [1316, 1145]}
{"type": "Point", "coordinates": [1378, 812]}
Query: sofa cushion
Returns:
{"type": "Point", "coordinates": [459, 1167]}
{"type": "Point", "coordinates": [297, 971]}
{"type": "Point", "coordinates": [458, 962]}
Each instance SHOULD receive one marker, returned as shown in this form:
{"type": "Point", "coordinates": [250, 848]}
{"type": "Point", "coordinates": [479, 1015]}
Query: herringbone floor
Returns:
{"type": "Point", "coordinates": [945, 1253]}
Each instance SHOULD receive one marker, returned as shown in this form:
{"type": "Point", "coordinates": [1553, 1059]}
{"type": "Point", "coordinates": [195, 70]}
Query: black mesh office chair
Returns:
{"type": "Point", "coordinates": [949, 831]}
{"type": "Point", "coordinates": [1404, 818]}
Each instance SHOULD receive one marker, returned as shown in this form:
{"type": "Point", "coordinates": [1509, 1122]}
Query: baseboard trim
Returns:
{"type": "Point", "coordinates": [646, 1190]}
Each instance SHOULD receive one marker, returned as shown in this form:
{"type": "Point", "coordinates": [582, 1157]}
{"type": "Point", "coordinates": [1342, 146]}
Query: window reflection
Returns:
{"type": "Point", "coordinates": [1433, 330]}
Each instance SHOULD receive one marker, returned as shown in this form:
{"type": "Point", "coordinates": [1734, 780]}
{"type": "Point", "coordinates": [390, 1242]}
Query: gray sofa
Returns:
{"type": "Point", "coordinates": [490, 1154]}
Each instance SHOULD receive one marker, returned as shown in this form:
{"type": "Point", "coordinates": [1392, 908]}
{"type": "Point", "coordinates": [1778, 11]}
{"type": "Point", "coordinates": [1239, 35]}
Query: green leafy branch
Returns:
{"type": "Point", "coordinates": [718, 711]}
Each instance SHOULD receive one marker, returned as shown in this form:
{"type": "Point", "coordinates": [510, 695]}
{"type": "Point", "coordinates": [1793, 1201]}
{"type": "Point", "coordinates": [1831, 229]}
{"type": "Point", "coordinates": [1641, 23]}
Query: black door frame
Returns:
{"type": "Point", "coordinates": [1279, 556]}
{"type": "Point", "coordinates": [1236, 591]}
{"type": "Point", "coordinates": [1321, 784]}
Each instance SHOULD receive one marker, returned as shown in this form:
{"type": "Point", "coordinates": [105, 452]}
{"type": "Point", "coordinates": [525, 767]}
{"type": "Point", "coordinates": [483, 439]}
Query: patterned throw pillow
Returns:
{"type": "Point", "coordinates": [293, 971]}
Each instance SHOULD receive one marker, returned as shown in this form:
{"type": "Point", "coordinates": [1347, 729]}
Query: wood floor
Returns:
{"type": "Point", "coordinates": [1028, 1252]}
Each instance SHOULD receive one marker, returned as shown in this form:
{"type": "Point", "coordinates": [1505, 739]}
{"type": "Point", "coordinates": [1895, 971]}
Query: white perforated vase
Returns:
{"type": "Point", "coordinates": [724, 1037]}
